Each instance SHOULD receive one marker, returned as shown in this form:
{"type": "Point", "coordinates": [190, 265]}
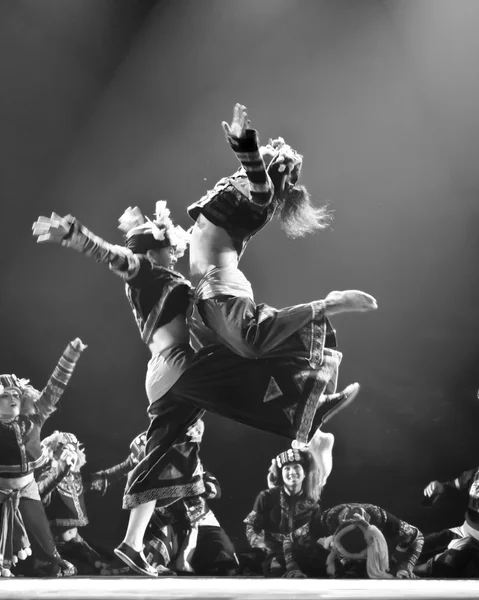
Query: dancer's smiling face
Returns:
{"type": "Point", "coordinates": [293, 476]}
{"type": "Point", "coordinates": [10, 403]}
{"type": "Point", "coordinates": [163, 257]}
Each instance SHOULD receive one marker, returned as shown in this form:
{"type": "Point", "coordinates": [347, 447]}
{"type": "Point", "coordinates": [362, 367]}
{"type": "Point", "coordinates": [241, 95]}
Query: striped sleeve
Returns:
{"type": "Point", "coordinates": [464, 481]}
{"type": "Point", "coordinates": [409, 544]}
{"type": "Point", "coordinates": [58, 381]}
{"type": "Point", "coordinates": [247, 151]}
{"type": "Point", "coordinates": [121, 260]}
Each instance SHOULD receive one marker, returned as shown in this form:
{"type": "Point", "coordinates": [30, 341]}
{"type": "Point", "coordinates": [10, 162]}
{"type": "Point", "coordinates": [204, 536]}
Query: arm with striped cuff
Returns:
{"type": "Point", "coordinates": [69, 232]}
{"type": "Point", "coordinates": [408, 548]}
{"type": "Point", "coordinates": [245, 144]}
{"type": "Point", "coordinates": [58, 381]}
{"type": "Point", "coordinates": [464, 481]}
{"type": "Point", "coordinates": [246, 149]}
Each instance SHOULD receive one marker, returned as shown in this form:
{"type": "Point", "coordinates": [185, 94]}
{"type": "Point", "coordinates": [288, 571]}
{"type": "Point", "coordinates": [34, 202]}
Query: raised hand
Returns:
{"type": "Point", "coordinates": [50, 229]}
{"type": "Point", "coordinates": [435, 487]}
{"type": "Point", "coordinates": [78, 345]}
{"type": "Point", "coordinates": [239, 124]}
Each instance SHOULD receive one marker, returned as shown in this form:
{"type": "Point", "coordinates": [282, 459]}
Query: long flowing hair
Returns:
{"type": "Point", "coordinates": [299, 216]}
{"type": "Point", "coordinates": [375, 551]}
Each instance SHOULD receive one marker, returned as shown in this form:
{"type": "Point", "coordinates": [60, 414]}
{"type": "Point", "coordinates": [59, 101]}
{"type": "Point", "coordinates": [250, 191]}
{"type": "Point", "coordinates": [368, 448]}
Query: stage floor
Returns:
{"type": "Point", "coordinates": [235, 588]}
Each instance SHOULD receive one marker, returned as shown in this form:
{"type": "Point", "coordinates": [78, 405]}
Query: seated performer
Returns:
{"type": "Point", "coordinates": [462, 542]}
{"type": "Point", "coordinates": [299, 338]}
{"type": "Point", "coordinates": [179, 383]}
{"type": "Point", "coordinates": [62, 487]}
{"type": "Point", "coordinates": [364, 541]}
{"type": "Point", "coordinates": [289, 506]}
{"type": "Point", "coordinates": [24, 528]}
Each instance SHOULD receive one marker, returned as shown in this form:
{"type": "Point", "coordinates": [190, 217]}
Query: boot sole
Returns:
{"type": "Point", "coordinates": [341, 405]}
{"type": "Point", "coordinates": [126, 559]}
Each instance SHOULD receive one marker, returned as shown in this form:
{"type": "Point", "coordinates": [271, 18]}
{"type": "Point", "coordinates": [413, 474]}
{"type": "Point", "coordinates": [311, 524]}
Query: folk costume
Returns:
{"type": "Point", "coordinates": [299, 340]}
{"type": "Point", "coordinates": [24, 525]}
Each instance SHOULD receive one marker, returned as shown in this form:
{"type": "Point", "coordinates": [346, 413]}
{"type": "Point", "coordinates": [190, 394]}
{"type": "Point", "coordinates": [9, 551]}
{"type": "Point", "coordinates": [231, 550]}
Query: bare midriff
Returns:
{"type": "Point", "coordinates": [210, 247]}
{"type": "Point", "coordinates": [16, 483]}
{"type": "Point", "coordinates": [174, 333]}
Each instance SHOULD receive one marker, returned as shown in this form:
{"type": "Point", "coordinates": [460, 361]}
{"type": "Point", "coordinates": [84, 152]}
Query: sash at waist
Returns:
{"type": "Point", "coordinates": [224, 281]}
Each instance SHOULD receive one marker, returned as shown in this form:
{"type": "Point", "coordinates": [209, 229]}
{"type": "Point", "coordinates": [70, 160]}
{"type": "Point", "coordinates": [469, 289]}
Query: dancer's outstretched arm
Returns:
{"type": "Point", "coordinates": [461, 483]}
{"type": "Point", "coordinates": [264, 182]}
{"type": "Point", "coordinates": [53, 391]}
{"type": "Point", "coordinates": [245, 144]}
{"type": "Point", "coordinates": [102, 480]}
{"type": "Point", "coordinates": [69, 232]}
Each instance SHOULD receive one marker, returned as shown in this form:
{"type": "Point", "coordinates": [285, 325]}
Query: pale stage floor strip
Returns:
{"type": "Point", "coordinates": [234, 588]}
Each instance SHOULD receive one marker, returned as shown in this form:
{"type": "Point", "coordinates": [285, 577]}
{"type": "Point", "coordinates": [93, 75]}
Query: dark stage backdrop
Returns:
{"type": "Point", "coordinates": [111, 103]}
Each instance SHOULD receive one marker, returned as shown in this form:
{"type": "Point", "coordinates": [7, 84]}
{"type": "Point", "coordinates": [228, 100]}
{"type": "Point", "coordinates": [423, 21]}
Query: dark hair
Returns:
{"type": "Point", "coordinates": [353, 541]}
{"type": "Point", "coordinates": [299, 216]}
{"type": "Point", "coordinates": [142, 242]}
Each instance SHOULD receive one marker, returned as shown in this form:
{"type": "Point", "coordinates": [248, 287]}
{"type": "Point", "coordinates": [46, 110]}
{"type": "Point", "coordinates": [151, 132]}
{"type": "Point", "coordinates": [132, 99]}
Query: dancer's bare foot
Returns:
{"type": "Point", "coordinates": [349, 301]}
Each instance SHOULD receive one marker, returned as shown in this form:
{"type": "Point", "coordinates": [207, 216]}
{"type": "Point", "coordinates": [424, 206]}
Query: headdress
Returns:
{"type": "Point", "coordinates": [282, 147]}
{"type": "Point", "coordinates": [57, 439]}
{"type": "Point", "coordinates": [29, 394]}
{"type": "Point", "coordinates": [7, 381]}
{"type": "Point", "coordinates": [292, 455]}
{"type": "Point", "coordinates": [143, 234]}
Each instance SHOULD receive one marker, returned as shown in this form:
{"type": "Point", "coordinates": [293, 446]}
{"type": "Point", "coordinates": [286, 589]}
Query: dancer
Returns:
{"type": "Point", "coordinates": [23, 412]}
{"type": "Point", "coordinates": [62, 487]}
{"type": "Point", "coordinates": [180, 384]}
{"type": "Point", "coordinates": [462, 542]}
{"type": "Point", "coordinates": [287, 508]}
{"type": "Point", "coordinates": [365, 541]}
{"type": "Point", "coordinates": [186, 536]}
{"type": "Point", "coordinates": [299, 338]}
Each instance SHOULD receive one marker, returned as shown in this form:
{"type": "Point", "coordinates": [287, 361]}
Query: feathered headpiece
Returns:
{"type": "Point", "coordinates": [29, 394]}
{"type": "Point", "coordinates": [59, 439]}
{"type": "Point", "coordinates": [143, 234]}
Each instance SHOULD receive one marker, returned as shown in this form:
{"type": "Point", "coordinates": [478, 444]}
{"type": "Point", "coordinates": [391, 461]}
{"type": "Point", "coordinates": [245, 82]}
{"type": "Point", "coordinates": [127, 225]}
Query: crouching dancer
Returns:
{"type": "Point", "coordinates": [23, 411]}
{"type": "Point", "coordinates": [365, 541]}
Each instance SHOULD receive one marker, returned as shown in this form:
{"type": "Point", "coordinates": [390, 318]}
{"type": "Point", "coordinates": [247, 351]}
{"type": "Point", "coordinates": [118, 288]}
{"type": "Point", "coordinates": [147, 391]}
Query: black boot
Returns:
{"type": "Point", "coordinates": [333, 404]}
{"type": "Point", "coordinates": [135, 560]}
